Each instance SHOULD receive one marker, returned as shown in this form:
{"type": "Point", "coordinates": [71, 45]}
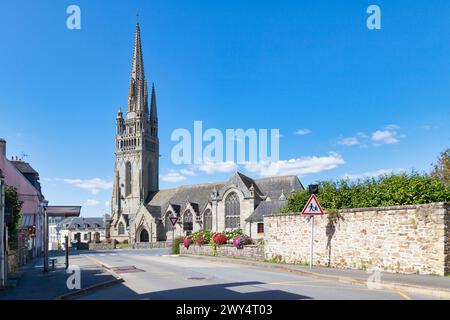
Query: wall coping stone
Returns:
{"type": "Point", "coordinates": [434, 205]}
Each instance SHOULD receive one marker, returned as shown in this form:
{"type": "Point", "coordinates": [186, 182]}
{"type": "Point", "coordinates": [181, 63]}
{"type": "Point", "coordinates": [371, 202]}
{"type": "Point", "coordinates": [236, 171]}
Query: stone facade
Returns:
{"type": "Point", "coordinates": [404, 239]}
{"type": "Point", "coordinates": [252, 252]}
{"type": "Point", "coordinates": [137, 149]}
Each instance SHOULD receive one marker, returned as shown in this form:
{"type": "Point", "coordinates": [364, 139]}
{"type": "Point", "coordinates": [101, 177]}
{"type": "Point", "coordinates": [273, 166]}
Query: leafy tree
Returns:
{"type": "Point", "coordinates": [13, 203]}
{"type": "Point", "coordinates": [441, 170]}
{"type": "Point", "coordinates": [387, 190]}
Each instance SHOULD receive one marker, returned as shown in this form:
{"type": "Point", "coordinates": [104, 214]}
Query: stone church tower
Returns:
{"type": "Point", "coordinates": [137, 149]}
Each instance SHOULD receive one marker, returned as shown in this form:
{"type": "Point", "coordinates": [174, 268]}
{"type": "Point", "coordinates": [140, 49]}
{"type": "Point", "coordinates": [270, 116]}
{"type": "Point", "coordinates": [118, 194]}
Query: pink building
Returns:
{"type": "Point", "coordinates": [25, 179]}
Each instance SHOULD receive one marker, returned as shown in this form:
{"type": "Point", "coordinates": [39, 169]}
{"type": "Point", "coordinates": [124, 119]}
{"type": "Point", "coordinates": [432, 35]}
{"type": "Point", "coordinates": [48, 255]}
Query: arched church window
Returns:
{"type": "Point", "coordinates": [127, 179]}
{"type": "Point", "coordinates": [188, 222]}
{"type": "Point", "coordinates": [207, 220]}
{"type": "Point", "coordinates": [232, 211]}
{"type": "Point", "coordinates": [121, 228]}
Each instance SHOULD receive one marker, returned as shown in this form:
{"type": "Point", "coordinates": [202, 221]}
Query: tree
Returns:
{"type": "Point", "coordinates": [441, 170]}
{"type": "Point", "coordinates": [14, 205]}
{"type": "Point", "coordinates": [387, 190]}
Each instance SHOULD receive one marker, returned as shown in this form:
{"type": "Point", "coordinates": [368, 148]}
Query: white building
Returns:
{"type": "Point", "coordinates": [79, 229]}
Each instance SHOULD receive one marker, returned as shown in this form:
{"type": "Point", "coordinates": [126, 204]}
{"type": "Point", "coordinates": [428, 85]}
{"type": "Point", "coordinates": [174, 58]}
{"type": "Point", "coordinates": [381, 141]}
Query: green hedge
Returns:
{"type": "Point", "coordinates": [388, 190]}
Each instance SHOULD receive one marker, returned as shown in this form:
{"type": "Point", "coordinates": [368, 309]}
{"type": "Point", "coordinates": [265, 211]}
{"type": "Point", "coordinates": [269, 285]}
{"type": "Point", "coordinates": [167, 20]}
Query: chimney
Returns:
{"type": "Point", "coordinates": [2, 148]}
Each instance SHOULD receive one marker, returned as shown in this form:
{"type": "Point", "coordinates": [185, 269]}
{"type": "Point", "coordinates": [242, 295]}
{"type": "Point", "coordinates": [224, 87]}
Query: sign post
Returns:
{"type": "Point", "coordinates": [173, 221]}
{"type": "Point", "coordinates": [312, 209]}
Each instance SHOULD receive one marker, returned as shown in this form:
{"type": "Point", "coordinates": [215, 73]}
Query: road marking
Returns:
{"type": "Point", "coordinates": [404, 295]}
{"type": "Point", "coordinates": [294, 282]}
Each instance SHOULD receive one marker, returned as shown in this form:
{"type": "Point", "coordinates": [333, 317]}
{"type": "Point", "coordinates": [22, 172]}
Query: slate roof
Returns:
{"type": "Point", "coordinates": [23, 167]}
{"type": "Point", "coordinates": [273, 187]}
{"type": "Point", "coordinates": [71, 223]}
{"type": "Point", "coordinates": [265, 208]}
{"type": "Point", "coordinates": [199, 195]}
{"type": "Point", "coordinates": [28, 172]}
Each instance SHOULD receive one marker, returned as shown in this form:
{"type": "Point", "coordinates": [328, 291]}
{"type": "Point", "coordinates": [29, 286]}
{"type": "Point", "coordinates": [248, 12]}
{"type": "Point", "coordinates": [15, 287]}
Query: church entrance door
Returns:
{"type": "Point", "coordinates": [143, 236]}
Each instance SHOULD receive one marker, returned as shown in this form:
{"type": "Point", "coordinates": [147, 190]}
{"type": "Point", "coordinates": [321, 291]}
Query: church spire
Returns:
{"type": "Point", "coordinates": [153, 113]}
{"type": "Point", "coordinates": [137, 96]}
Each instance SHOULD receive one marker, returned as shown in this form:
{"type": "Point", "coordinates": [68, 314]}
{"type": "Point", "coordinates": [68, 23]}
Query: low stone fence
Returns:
{"type": "Point", "coordinates": [102, 246]}
{"type": "Point", "coordinates": [251, 252]}
{"type": "Point", "coordinates": [151, 245]}
{"type": "Point", "coordinates": [403, 239]}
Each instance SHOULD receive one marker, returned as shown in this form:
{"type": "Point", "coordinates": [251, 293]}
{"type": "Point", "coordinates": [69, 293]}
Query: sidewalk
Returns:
{"type": "Point", "coordinates": [32, 283]}
{"type": "Point", "coordinates": [437, 286]}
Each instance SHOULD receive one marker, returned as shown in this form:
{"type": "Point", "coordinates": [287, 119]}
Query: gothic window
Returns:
{"type": "Point", "coordinates": [232, 211]}
{"type": "Point", "coordinates": [127, 179]}
{"type": "Point", "coordinates": [187, 222]}
{"type": "Point", "coordinates": [121, 229]}
{"type": "Point", "coordinates": [207, 220]}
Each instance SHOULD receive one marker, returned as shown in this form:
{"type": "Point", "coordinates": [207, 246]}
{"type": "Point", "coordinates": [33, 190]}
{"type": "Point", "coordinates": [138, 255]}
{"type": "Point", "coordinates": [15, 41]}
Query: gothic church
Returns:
{"type": "Point", "coordinates": [141, 212]}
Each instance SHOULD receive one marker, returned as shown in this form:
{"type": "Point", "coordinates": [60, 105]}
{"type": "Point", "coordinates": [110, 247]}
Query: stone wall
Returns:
{"type": "Point", "coordinates": [102, 246]}
{"type": "Point", "coordinates": [252, 252]}
{"type": "Point", "coordinates": [151, 245]}
{"type": "Point", "coordinates": [404, 239]}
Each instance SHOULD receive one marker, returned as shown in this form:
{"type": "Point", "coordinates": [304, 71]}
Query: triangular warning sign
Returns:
{"type": "Point", "coordinates": [312, 207]}
{"type": "Point", "coordinates": [173, 221]}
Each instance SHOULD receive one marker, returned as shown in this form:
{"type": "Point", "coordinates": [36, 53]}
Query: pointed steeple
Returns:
{"type": "Point", "coordinates": [137, 96]}
{"type": "Point", "coordinates": [153, 113]}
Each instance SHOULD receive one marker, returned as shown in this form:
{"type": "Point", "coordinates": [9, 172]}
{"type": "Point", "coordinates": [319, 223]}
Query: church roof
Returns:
{"type": "Point", "coordinates": [199, 195]}
{"type": "Point", "coordinates": [272, 187]}
{"type": "Point", "coordinates": [265, 208]}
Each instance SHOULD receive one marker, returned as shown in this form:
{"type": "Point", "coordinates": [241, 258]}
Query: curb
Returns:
{"type": "Point", "coordinates": [117, 279]}
{"type": "Point", "coordinates": [430, 291]}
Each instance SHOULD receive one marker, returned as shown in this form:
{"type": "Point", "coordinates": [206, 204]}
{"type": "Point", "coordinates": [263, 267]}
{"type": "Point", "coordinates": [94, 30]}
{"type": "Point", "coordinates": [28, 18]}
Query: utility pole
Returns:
{"type": "Point", "coordinates": [66, 239]}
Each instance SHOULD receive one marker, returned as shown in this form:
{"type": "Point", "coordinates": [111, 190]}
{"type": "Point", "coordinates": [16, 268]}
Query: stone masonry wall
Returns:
{"type": "Point", "coordinates": [404, 239]}
{"type": "Point", "coordinates": [102, 246]}
{"type": "Point", "coordinates": [253, 252]}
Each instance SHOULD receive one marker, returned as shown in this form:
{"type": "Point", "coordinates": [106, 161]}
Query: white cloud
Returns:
{"type": "Point", "coordinates": [392, 127]}
{"type": "Point", "coordinates": [385, 137]}
{"type": "Point", "coordinates": [211, 167]}
{"type": "Point", "coordinates": [93, 185]}
{"type": "Point", "coordinates": [371, 174]}
{"type": "Point", "coordinates": [389, 135]}
{"type": "Point", "coordinates": [299, 166]}
{"type": "Point", "coordinates": [173, 176]}
{"type": "Point", "coordinates": [187, 172]}
{"type": "Point", "coordinates": [352, 141]}
{"type": "Point", "coordinates": [107, 204]}
{"type": "Point", "coordinates": [92, 202]}
{"type": "Point", "coordinates": [302, 132]}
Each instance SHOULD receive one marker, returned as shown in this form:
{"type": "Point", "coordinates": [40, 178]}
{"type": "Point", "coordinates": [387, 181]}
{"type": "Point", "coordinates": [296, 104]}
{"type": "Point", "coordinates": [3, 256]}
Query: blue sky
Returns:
{"type": "Point", "coordinates": [361, 101]}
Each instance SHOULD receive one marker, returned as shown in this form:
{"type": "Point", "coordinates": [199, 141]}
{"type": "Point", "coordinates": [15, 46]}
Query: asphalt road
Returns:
{"type": "Point", "coordinates": [155, 274]}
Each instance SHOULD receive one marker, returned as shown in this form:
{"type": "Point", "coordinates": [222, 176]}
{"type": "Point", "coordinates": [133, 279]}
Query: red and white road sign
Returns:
{"type": "Point", "coordinates": [173, 221]}
{"type": "Point", "coordinates": [312, 207]}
